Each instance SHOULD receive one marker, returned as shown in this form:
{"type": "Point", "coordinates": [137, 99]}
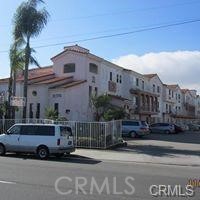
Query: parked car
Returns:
{"type": "Point", "coordinates": [162, 128]}
{"type": "Point", "coordinates": [41, 139]}
{"type": "Point", "coordinates": [178, 129]}
{"type": "Point", "coordinates": [134, 128]}
{"type": "Point", "coordinates": [193, 127]}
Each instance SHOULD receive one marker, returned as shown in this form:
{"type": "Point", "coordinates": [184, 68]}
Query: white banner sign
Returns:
{"type": "Point", "coordinates": [18, 101]}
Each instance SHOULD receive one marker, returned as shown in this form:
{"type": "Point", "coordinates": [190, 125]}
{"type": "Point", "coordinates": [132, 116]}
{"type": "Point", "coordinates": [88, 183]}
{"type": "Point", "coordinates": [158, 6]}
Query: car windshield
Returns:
{"type": "Point", "coordinates": [144, 123]}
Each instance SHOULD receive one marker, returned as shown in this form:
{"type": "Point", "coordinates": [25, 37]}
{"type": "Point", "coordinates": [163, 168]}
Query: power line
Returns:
{"type": "Point", "coordinates": [107, 30]}
{"type": "Point", "coordinates": [117, 34]}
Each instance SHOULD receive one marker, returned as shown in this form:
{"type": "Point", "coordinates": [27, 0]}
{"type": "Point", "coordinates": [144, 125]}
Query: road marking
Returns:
{"type": "Point", "coordinates": [8, 182]}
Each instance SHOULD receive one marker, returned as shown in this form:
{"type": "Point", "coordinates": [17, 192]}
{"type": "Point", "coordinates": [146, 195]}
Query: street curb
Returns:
{"type": "Point", "coordinates": [137, 162]}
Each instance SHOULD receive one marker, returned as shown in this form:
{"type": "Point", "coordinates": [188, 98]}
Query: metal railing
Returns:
{"type": "Point", "coordinates": [99, 135]}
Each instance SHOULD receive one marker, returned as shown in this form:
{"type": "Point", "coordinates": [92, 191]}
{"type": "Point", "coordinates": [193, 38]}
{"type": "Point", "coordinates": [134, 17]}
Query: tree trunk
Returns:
{"type": "Point", "coordinates": [27, 58]}
{"type": "Point", "coordinates": [10, 88]}
{"type": "Point", "coordinates": [14, 91]}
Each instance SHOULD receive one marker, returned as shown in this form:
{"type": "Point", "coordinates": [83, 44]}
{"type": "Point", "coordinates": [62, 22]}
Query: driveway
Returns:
{"type": "Point", "coordinates": [187, 143]}
{"type": "Point", "coordinates": [179, 149]}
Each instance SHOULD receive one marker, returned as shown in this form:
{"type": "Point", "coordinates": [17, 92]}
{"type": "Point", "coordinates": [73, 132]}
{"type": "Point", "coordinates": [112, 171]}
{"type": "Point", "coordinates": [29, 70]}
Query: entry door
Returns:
{"type": "Point", "coordinates": [12, 138]}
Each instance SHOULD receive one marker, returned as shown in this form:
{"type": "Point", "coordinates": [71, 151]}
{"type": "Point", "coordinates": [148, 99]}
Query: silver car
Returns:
{"type": "Point", "coordinates": [134, 128]}
{"type": "Point", "coordinates": [162, 128]}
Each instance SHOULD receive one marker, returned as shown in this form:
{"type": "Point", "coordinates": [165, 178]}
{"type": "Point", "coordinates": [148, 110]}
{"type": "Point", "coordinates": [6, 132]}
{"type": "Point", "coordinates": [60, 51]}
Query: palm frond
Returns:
{"type": "Point", "coordinates": [28, 20]}
{"type": "Point", "coordinates": [33, 61]}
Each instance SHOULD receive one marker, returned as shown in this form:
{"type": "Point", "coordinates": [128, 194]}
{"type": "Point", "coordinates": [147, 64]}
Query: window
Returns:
{"type": "Point", "coordinates": [137, 81]}
{"type": "Point", "coordinates": [120, 78]}
{"type": "Point", "coordinates": [110, 76]}
{"type": "Point", "coordinates": [158, 89]}
{"type": "Point", "coordinates": [38, 111]}
{"type": "Point", "coordinates": [30, 110]}
{"type": "Point", "coordinates": [144, 123]}
{"type": "Point", "coordinates": [46, 130]}
{"type": "Point", "coordinates": [28, 130]}
{"type": "Point", "coordinates": [69, 68]}
{"type": "Point", "coordinates": [93, 68]}
{"type": "Point", "coordinates": [170, 108]}
{"type": "Point", "coordinates": [130, 123]}
{"type": "Point", "coordinates": [169, 92]}
{"type": "Point", "coordinates": [56, 107]}
{"type": "Point", "coordinates": [15, 130]}
{"type": "Point", "coordinates": [143, 85]}
{"type": "Point", "coordinates": [96, 91]}
{"type": "Point", "coordinates": [117, 78]}
{"type": "Point", "coordinates": [34, 93]}
{"type": "Point", "coordinates": [65, 131]}
{"type": "Point", "coordinates": [166, 107]}
{"type": "Point", "coordinates": [93, 79]}
{"type": "Point", "coordinates": [38, 130]}
{"type": "Point", "coordinates": [154, 88]}
{"type": "Point", "coordinates": [172, 94]}
{"type": "Point", "coordinates": [90, 92]}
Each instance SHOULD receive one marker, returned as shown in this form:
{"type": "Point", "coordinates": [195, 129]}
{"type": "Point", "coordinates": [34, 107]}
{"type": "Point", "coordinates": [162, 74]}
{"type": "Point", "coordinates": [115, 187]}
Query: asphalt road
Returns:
{"type": "Point", "coordinates": [26, 178]}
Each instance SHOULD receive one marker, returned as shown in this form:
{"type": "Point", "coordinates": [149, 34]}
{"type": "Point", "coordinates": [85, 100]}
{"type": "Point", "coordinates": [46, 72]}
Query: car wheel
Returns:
{"type": "Point", "coordinates": [2, 150]}
{"type": "Point", "coordinates": [132, 134]}
{"type": "Point", "coordinates": [43, 152]}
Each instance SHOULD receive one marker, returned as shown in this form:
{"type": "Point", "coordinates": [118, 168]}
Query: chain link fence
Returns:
{"type": "Point", "coordinates": [99, 135]}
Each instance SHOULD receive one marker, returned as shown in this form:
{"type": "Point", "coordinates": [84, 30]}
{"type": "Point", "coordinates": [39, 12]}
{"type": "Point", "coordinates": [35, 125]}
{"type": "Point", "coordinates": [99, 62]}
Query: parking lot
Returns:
{"type": "Point", "coordinates": [165, 145]}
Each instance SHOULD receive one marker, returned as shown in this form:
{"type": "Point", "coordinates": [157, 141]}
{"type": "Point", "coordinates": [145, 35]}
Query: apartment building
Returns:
{"type": "Point", "coordinates": [197, 106]}
{"type": "Point", "coordinates": [76, 75]}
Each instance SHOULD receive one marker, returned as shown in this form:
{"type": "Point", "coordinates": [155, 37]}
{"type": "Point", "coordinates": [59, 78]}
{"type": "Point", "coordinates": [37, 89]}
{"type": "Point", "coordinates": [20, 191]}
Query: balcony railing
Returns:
{"type": "Point", "coordinates": [147, 109]}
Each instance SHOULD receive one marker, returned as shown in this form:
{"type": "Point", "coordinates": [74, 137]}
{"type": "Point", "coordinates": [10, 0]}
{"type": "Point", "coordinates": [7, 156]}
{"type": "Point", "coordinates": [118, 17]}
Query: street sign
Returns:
{"type": "Point", "coordinates": [18, 101]}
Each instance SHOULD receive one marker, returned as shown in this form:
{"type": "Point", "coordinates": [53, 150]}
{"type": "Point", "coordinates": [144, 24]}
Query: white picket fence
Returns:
{"type": "Point", "coordinates": [99, 135]}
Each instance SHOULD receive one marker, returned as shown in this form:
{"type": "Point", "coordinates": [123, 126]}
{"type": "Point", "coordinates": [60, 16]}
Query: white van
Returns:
{"type": "Point", "coordinates": [41, 139]}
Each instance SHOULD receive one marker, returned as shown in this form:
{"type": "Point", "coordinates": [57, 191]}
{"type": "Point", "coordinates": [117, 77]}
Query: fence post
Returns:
{"type": "Point", "coordinates": [76, 133]}
{"type": "Point", "coordinates": [113, 131]}
{"type": "Point", "coordinates": [105, 125]}
{"type": "Point", "coordinates": [90, 135]}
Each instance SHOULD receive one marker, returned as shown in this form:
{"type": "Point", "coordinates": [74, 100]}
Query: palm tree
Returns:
{"type": "Point", "coordinates": [16, 63]}
{"type": "Point", "coordinates": [17, 60]}
{"type": "Point", "coordinates": [28, 23]}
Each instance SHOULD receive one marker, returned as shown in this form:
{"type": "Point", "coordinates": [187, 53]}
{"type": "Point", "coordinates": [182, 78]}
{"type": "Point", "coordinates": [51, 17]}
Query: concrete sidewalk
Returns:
{"type": "Point", "coordinates": [130, 156]}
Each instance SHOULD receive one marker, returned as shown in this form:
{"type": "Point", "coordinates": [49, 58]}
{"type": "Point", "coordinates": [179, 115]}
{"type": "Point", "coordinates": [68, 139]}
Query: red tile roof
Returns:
{"type": "Point", "coordinates": [37, 73]}
{"type": "Point", "coordinates": [150, 75]}
{"type": "Point", "coordinates": [33, 74]}
{"type": "Point", "coordinates": [53, 80]}
{"type": "Point", "coordinates": [68, 85]}
{"type": "Point", "coordinates": [173, 86]}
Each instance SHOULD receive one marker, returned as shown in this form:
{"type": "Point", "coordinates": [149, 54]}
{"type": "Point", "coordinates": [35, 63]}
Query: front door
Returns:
{"type": "Point", "coordinates": [12, 138]}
